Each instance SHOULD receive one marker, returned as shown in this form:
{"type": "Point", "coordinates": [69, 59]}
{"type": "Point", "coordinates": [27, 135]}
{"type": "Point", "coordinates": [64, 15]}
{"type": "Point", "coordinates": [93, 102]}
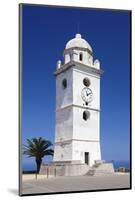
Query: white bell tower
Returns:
{"type": "Point", "coordinates": [77, 129]}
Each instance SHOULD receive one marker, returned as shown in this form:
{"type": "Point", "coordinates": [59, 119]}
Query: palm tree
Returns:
{"type": "Point", "coordinates": [38, 148]}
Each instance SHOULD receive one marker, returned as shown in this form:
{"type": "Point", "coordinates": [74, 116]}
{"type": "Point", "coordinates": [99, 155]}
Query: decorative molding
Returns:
{"type": "Point", "coordinates": [86, 73]}
{"type": "Point", "coordinates": [64, 68]}
{"type": "Point", "coordinates": [80, 66]}
{"type": "Point", "coordinates": [66, 142]}
{"type": "Point", "coordinates": [78, 106]}
{"type": "Point", "coordinates": [67, 51]}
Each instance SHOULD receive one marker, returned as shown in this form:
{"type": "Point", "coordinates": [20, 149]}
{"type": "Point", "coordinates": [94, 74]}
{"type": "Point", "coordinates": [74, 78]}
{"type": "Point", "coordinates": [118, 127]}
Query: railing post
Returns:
{"type": "Point", "coordinates": [55, 172]}
{"type": "Point", "coordinates": [36, 176]}
{"type": "Point", "coordinates": [47, 172]}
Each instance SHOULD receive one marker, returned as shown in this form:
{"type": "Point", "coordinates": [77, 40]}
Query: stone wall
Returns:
{"type": "Point", "coordinates": [65, 169]}
{"type": "Point", "coordinates": [76, 169]}
{"type": "Point", "coordinates": [104, 168]}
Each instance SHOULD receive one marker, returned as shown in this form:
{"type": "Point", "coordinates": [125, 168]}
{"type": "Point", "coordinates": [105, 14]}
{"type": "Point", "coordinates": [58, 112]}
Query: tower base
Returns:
{"type": "Point", "coordinates": [64, 169]}
{"type": "Point", "coordinates": [68, 168]}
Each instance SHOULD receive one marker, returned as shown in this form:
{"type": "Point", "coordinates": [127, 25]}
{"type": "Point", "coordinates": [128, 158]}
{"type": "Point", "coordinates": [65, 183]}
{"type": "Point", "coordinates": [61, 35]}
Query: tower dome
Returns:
{"type": "Point", "coordinates": [78, 41]}
{"type": "Point", "coordinates": [78, 50]}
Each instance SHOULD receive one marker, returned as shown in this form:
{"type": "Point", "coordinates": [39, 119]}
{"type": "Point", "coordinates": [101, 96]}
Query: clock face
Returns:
{"type": "Point", "coordinates": [87, 95]}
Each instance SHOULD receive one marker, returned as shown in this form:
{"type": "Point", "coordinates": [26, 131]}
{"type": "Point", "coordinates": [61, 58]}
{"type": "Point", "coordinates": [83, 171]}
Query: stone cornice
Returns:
{"type": "Point", "coordinates": [66, 51]}
{"type": "Point", "coordinates": [79, 66]}
{"type": "Point", "coordinates": [66, 142]}
{"type": "Point", "coordinates": [64, 68]}
{"type": "Point", "coordinates": [78, 106]}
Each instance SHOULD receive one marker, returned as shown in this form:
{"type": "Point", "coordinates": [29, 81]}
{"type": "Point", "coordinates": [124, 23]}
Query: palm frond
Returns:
{"type": "Point", "coordinates": [37, 147]}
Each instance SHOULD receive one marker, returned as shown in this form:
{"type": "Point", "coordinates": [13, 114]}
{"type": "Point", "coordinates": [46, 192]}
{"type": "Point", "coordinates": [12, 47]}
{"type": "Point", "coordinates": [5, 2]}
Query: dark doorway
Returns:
{"type": "Point", "coordinates": [87, 158]}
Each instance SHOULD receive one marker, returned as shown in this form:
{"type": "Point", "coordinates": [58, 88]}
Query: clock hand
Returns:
{"type": "Point", "coordinates": [87, 94]}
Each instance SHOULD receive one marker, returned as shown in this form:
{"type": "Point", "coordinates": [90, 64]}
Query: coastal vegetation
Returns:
{"type": "Point", "coordinates": [38, 148]}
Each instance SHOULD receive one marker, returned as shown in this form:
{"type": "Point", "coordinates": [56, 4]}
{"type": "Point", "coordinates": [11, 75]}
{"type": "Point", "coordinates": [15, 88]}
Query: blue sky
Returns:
{"type": "Point", "coordinates": [46, 31]}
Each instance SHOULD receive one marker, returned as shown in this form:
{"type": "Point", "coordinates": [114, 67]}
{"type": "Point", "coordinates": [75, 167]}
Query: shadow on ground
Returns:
{"type": "Point", "coordinates": [13, 191]}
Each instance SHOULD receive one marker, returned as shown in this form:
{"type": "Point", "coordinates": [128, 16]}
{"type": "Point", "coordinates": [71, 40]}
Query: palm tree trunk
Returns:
{"type": "Point", "coordinates": [38, 162]}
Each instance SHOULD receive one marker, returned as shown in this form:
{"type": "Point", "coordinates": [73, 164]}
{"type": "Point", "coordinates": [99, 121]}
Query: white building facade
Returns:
{"type": "Point", "coordinates": [77, 129]}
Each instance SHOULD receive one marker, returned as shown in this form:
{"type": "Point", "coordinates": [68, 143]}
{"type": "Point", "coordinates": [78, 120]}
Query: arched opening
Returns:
{"type": "Point", "coordinates": [86, 115]}
{"type": "Point", "coordinates": [86, 82]}
{"type": "Point", "coordinates": [80, 56]}
{"type": "Point", "coordinates": [64, 83]}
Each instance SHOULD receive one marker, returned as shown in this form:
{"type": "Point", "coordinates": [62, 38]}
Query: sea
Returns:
{"type": "Point", "coordinates": [31, 166]}
{"type": "Point", "coordinates": [118, 164]}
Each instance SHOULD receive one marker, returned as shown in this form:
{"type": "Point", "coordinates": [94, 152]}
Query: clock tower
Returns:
{"type": "Point", "coordinates": [77, 129]}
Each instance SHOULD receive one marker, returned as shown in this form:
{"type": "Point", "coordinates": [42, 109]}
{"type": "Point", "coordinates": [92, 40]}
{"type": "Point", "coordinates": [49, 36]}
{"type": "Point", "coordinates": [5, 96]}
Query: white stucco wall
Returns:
{"type": "Point", "coordinates": [85, 130]}
{"type": "Point", "coordinates": [64, 96]}
{"type": "Point", "coordinates": [78, 85]}
{"type": "Point", "coordinates": [87, 59]}
{"type": "Point", "coordinates": [63, 153]}
{"type": "Point", "coordinates": [64, 125]}
{"type": "Point", "coordinates": [80, 147]}
{"type": "Point", "coordinates": [63, 117]}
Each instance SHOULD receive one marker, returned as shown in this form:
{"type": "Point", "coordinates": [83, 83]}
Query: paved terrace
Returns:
{"type": "Point", "coordinates": [77, 183]}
